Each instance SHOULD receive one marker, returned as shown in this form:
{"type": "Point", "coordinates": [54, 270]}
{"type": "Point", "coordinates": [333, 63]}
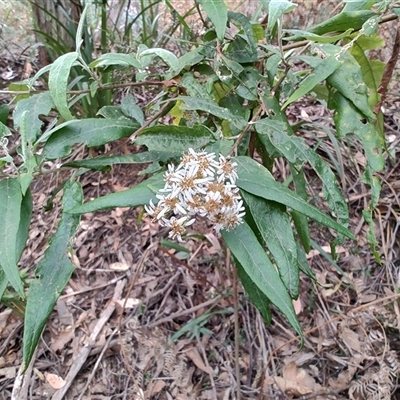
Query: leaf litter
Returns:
{"type": "Point", "coordinates": [351, 322]}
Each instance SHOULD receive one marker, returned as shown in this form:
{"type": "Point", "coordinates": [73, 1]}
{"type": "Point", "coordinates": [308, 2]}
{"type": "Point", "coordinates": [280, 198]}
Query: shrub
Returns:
{"type": "Point", "coordinates": [227, 97]}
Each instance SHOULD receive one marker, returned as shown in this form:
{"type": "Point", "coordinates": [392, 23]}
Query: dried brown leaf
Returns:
{"type": "Point", "coordinates": [62, 339]}
{"type": "Point", "coordinates": [194, 355]}
{"type": "Point", "coordinates": [294, 381]}
{"type": "Point", "coordinates": [8, 372]}
{"type": "Point", "coordinates": [155, 388]}
{"type": "Point", "coordinates": [350, 339]}
{"type": "Point", "coordinates": [55, 381]}
{"type": "Point", "coordinates": [64, 315]}
{"type": "Point", "coordinates": [119, 266]}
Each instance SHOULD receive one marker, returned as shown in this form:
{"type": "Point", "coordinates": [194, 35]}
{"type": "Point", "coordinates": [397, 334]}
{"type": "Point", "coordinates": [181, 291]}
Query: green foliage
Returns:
{"type": "Point", "coordinates": [10, 216]}
{"type": "Point", "coordinates": [252, 258]}
{"type": "Point", "coordinates": [226, 93]}
{"type": "Point", "coordinates": [52, 273]}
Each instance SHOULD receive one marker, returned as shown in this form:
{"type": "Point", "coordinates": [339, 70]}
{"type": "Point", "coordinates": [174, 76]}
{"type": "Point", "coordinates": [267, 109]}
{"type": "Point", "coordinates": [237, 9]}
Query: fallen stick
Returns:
{"type": "Point", "coordinates": [85, 351]}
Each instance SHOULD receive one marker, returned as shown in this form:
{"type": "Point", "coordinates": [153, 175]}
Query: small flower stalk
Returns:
{"type": "Point", "coordinates": [199, 186]}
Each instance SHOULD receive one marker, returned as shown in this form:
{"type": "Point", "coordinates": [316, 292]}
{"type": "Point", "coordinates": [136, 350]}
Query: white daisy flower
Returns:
{"type": "Point", "coordinates": [199, 186]}
{"type": "Point", "coordinates": [177, 226]}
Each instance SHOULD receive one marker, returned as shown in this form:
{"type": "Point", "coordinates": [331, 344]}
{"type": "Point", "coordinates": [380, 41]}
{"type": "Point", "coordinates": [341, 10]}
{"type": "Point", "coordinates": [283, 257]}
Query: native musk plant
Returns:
{"type": "Point", "coordinates": [225, 103]}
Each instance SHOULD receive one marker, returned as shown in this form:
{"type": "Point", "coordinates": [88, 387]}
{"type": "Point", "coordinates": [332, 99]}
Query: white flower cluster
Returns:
{"type": "Point", "coordinates": [199, 186]}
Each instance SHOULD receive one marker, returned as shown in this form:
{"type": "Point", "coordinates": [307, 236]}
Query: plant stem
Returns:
{"type": "Point", "coordinates": [237, 336]}
{"type": "Point", "coordinates": [305, 42]}
{"type": "Point", "coordinates": [244, 131]}
{"type": "Point", "coordinates": [101, 87]}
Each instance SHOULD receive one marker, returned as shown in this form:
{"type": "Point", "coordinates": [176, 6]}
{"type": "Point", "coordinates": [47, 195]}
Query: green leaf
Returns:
{"type": "Point", "coordinates": [371, 26]}
{"type": "Point", "coordinates": [300, 34]}
{"type": "Point", "coordinates": [173, 245]}
{"type": "Point", "coordinates": [39, 104]}
{"type": "Point", "coordinates": [273, 223]}
{"type": "Point", "coordinates": [324, 69]}
{"type": "Point", "coordinates": [265, 3]}
{"type": "Point", "coordinates": [53, 273]}
{"type": "Point", "coordinates": [329, 258]}
{"type": "Point", "coordinates": [276, 9]}
{"type": "Point", "coordinates": [4, 130]}
{"type": "Point", "coordinates": [242, 20]}
{"type": "Point", "coordinates": [349, 120]}
{"type": "Point", "coordinates": [25, 220]}
{"type": "Point", "coordinates": [303, 263]}
{"type": "Point", "coordinates": [189, 59]}
{"type": "Point", "coordinates": [167, 56]}
{"type": "Point", "coordinates": [371, 237]}
{"type": "Point", "coordinates": [137, 196]}
{"type": "Point", "coordinates": [249, 81]}
{"type": "Point", "coordinates": [19, 87]}
{"type": "Point", "coordinates": [90, 131]}
{"type": "Point", "coordinates": [123, 60]}
{"type": "Point", "coordinates": [375, 184]}
{"type": "Point", "coordinates": [4, 111]}
{"type": "Point", "coordinates": [3, 283]}
{"type": "Point", "coordinates": [355, 5]}
{"type": "Point", "coordinates": [257, 180]}
{"type": "Point", "coordinates": [58, 82]}
{"type": "Point", "coordinates": [348, 80]}
{"type": "Point", "coordinates": [234, 104]}
{"type": "Point", "coordinates": [10, 216]}
{"type": "Point", "coordinates": [342, 22]}
{"type": "Point", "coordinates": [131, 110]}
{"type": "Point", "coordinates": [31, 82]}
{"type": "Point", "coordinates": [297, 152]}
{"type": "Point", "coordinates": [300, 221]}
{"type": "Point", "coordinates": [372, 70]}
{"type": "Point", "coordinates": [26, 174]}
{"type": "Point", "coordinates": [176, 138]}
{"type": "Point", "coordinates": [193, 87]}
{"type": "Point", "coordinates": [193, 103]}
{"type": "Point", "coordinates": [217, 11]}
{"type": "Point", "coordinates": [102, 162]}
{"type": "Point", "coordinates": [251, 256]}
{"type": "Point", "coordinates": [258, 298]}
{"type": "Point", "coordinates": [241, 52]}
{"type": "Point", "coordinates": [196, 326]}
{"type": "Point", "coordinates": [79, 37]}
{"type": "Point", "coordinates": [112, 112]}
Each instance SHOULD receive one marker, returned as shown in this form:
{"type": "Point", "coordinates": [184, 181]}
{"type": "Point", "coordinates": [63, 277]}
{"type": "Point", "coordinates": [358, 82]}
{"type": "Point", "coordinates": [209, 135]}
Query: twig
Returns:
{"type": "Point", "coordinates": [99, 358]}
{"type": "Point", "coordinates": [190, 268]}
{"type": "Point", "coordinates": [132, 284]}
{"type": "Point", "coordinates": [325, 393]}
{"type": "Point", "coordinates": [64, 296]}
{"type": "Point", "coordinates": [388, 73]}
{"type": "Point", "coordinates": [280, 80]}
{"type": "Point", "coordinates": [152, 119]}
{"type": "Point", "coordinates": [83, 91]}
{"type": "Point", "coordinates": [305, 42]}
{"type": "Point", "coordinates": [22, 381]}
{"type": "Point", "coordinates": [185, 312]}
{"type": "Point", "coordinates": [85, 351]}
{"type": "Point", "coordinates": [245, 130]}
{"type": "Point", "coordinates": [200, 14]}
{"type": "Point", "coordinates": [146, 125]}
{"type": "Point", "coordinates": [10, 336]}
{"type": "Point", "coordinates": [210, 370]}
{"type": "Point", "coordinates": [236, 311]}
{"type": "Point", "coordinates": [339, 317]}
